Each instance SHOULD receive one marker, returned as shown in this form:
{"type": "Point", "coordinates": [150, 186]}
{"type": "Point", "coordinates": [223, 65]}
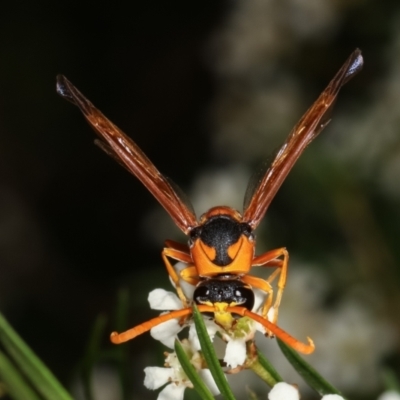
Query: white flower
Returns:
{"type": "Point", "coordinates": [236, 352]}
{"type": "Point", "coordinates": [166, 332]}
{"type": "Point", "coordinates": [389, 395]}
{"type": "Point", "coordinates": [283, 391]}
{"type": "Point", "coordinates": [160, 299]}
{"type": "Point", "coordinates": [155, 377]}
{"type": "Point", "coordinates": [332, 397]}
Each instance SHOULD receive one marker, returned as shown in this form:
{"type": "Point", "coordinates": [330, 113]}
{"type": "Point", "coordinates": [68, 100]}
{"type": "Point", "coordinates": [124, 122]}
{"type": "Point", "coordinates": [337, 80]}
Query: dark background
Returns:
{"type": "Point", "coordinates": [72, 221]}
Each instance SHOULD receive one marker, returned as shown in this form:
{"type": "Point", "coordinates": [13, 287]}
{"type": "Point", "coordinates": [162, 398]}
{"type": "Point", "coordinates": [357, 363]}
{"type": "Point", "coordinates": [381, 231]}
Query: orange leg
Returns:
{"type": "Point", "coordinates": [179, 252]}
{"type": "Point", "coordinates": [190, 275]}
{"type": "Point", "coordinates": [265, 286]}
{"type": "Point", "coordinates": [271, 259]}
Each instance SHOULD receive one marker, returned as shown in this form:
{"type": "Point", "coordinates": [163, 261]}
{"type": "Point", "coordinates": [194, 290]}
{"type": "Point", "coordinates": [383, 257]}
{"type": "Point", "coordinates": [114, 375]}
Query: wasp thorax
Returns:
{"type": "Point", "coordinates": [221, 233]}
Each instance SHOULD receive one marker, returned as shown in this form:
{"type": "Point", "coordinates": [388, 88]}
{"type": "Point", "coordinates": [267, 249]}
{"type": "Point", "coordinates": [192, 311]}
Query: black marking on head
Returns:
{"type": "Point", "coordinates": [220, 232]}
{"type": "Point", "coordinates": [224, 291]}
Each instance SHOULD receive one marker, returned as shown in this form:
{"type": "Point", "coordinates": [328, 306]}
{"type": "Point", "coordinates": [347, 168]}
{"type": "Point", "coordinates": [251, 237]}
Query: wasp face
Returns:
{"type": "Point", "coordinates": [230, 291]}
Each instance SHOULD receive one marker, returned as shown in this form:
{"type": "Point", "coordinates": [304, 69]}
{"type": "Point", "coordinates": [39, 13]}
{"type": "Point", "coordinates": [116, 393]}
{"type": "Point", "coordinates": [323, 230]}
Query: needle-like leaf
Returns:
{"type": "Point", "coordinates": [36, 372]}
{"type": "Point", "coordinates": [307, 372]}
{"type": "Point", "coordinates": [210, 356]}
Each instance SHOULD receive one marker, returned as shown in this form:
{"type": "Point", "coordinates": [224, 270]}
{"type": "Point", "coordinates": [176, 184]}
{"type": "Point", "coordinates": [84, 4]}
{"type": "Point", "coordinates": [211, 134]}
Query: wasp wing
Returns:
{"type": "Point", "coordinates": [265, 183]}
{"type": "Point", "coordinates": [116, 144]}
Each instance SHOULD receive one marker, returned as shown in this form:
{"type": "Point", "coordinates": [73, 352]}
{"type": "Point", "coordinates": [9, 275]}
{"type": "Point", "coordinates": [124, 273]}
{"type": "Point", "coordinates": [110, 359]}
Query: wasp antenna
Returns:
{"type": "Point", "coordinates": [118, 338]}
{"type": "Point", "coordinates": [278, 332]}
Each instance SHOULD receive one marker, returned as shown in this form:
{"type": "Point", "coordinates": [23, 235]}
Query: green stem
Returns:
{"type": "Point", "coordinates": [256, 367]}
{"type": "Point", "coordinates": [261, 366]}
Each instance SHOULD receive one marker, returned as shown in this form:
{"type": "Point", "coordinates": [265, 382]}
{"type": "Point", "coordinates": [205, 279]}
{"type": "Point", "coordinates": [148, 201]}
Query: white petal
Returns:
{"type": "Point", "coordinates": [337, 397]}
{"type": "Point", "coordinates": [197, 359]}
{"type": "Point", "coordinates": [160, 299]}
{"type": "Point", "coordinates": [207, 378]}
{"type": "Point", "coordinates": [259, 299]}
{"type": "Point", "coordinates": [283, 391]}
{"type": "Point", "coordinates": [260, 328]}
{"type": "Point", "coordinates": [172, 392]}
{"type": "Point", "coordinates": [155, 377]}
{"type": "Point", "coordinates": [179, 266]}
{"type": "Point", "coordinates": [389, 395]}
{"type": "Point", "coordinates": [212, 329]}
{"type": "Point", "coordinates": [178, 375]}
{"type": "Point", "coordinates": [166, 332]}
{"type": "Point", "coordinates": [172, 282]}
{"type": "Point", "coordinates": [187, 288]}
{"type": "Point", "coordinates": [235, 353]}
{"type": "Point", "coordinates": [270, 314]}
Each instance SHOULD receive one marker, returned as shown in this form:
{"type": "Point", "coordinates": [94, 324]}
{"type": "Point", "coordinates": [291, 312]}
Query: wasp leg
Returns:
{"type": "Point", "coordinates": [263, 285]}
{"type": "Point", "coordinates": [190, 275]}
{"type": "Point", "coordinates": [178, 252]}
{"type": "Point", "coordinates": [271, 259]}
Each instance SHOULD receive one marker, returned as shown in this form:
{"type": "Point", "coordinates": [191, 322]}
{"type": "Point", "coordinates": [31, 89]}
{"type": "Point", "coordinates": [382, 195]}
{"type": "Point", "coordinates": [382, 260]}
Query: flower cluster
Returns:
{"type": "Point", "coordinates": [284, 391]}
{"type": "Point", "coordinates": [235, 350]}
{"type": "Point", "coordinates": [174, 376]}
{"type": "Point", "coordinates": [237, 354]}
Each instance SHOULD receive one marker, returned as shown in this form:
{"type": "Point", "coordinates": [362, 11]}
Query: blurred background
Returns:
{"type": "Point", "coordinates": [208, 90]}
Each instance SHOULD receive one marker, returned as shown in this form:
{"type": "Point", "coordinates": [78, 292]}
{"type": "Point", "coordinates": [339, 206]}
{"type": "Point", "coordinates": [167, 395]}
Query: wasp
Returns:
{"type": "Point", "coordinates": [221, 248]}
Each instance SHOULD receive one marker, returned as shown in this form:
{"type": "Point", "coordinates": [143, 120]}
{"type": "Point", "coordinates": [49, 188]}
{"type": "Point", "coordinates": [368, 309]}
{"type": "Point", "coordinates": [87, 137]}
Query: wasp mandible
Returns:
{"type": "Point", "coordinates": [221, 248]}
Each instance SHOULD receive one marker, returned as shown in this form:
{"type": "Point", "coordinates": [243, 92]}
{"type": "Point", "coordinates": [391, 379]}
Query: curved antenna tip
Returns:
{"type": "Point", "coordinates": [114, 337]}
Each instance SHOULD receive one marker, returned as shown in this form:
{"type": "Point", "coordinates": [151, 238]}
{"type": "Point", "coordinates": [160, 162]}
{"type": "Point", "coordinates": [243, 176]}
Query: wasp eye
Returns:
{"type": "Point", "coordinates": [201, 294]}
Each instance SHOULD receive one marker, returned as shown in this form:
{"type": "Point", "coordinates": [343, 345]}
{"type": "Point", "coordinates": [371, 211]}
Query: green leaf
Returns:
{"type": "Point", "coordinates": [190, 371]}
{"type": "Point", "coordinates": [38, 374]}
{"type": "Point", "coordinates": [14, 382]}
{"type": "Point", "coordinates": [210, 356]}
{"type": "Point", "coordinates": [308, 373]}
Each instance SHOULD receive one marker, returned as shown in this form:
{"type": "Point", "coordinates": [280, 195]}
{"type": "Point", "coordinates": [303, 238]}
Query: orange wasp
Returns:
{"type": "Point", "coordinates": [221, 247]}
